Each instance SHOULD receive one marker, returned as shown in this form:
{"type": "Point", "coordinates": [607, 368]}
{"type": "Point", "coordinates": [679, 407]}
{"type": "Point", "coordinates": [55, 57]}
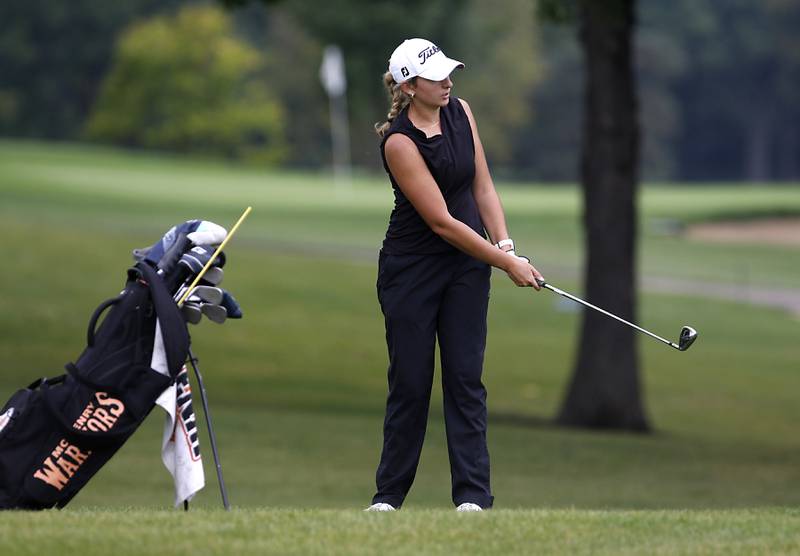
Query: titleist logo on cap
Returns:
{"type": "Point", "coordinates": [428, 52]}
{"type": "Point", "coordinates": [420, 57]}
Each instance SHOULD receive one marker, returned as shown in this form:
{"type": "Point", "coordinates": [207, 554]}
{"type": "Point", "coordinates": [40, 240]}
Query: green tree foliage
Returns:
{"type": "Point", "coordinates": [187, 83]}
{"type": "Point", "coordinates": [554, 136]}
{"type": "Point", "coordinates": [718, 79]}
{"type": "Point", "coordinates": [660, 63]}
{"type": "Point", "coordinates": [496, 41]}
{"type": "Point", "coordinates": [739, 114]}
{"type": "Point", "coordinates": [53, 56]}
{"type": "Point", "coordinates": [547, 148]}
{"type": "Point", "coordinates": [367, 32]}
{"type": "Point", "coordinates": [718, 83]}
{"type": "Point", "coordinates": [292, 59]}
{"type": "Point", "coordinates": [499, 47]}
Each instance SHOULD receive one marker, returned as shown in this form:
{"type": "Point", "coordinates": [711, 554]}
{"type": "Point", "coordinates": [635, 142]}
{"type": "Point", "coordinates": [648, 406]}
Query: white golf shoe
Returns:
{"type": "Point", "coordinates": [469, 507]}
{"type": "Point", "coordinates": [380, 507]}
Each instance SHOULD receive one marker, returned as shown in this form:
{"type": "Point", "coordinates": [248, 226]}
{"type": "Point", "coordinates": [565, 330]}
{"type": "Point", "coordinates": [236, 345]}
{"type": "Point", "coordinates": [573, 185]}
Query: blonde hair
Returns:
{"type": "Point", "coordinates": [399, 100]}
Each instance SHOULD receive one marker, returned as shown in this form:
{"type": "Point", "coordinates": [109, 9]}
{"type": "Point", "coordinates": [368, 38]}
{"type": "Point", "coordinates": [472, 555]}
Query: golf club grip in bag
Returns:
{"type": "Point", "coordinates": [57, 433]}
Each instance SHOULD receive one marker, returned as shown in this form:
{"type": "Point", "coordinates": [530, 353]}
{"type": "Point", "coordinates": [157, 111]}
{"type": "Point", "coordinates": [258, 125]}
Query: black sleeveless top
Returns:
{"type": "Point", "coordinates": [450, 157]}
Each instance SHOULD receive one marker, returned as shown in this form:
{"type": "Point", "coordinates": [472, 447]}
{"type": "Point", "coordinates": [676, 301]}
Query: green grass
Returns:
{"type": "Point", "coordinates": [297, 387]}
{"type": "Point", "coordinates": [306, 212]}
{"type": "Point", "coordinates": [289, 531]}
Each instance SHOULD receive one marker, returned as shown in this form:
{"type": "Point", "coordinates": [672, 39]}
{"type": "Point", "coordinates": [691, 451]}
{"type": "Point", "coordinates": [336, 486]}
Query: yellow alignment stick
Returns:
{"type": "Point", "coordinates": [214, 256]}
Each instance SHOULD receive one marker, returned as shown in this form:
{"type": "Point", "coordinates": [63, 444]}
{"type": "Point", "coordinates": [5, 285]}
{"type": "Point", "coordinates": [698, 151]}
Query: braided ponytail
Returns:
{"type": "Point", "coordinates": [399, 101]}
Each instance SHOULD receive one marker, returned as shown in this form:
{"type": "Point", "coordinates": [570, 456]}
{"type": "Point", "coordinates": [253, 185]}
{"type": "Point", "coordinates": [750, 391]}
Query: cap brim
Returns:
{"type": "Point", "coordinates": [441, 69]}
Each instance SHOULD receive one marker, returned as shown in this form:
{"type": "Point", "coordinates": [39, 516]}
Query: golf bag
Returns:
{"type": "Point", "coordinates": [57, 433]}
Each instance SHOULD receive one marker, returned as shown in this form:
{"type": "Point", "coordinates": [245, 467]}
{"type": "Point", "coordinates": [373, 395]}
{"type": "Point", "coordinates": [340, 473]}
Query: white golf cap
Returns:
{"type": "Point", "coordinates": [420, 58]}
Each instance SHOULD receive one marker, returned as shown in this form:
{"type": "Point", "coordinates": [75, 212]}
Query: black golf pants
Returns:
{"type": "Point", "coordinates": [424, 297]}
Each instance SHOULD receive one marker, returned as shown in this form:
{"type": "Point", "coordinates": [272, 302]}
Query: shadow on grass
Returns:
{"type": "Point", "coordinates": [521, 420]}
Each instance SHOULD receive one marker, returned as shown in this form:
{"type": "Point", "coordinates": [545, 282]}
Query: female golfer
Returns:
{"type": "Point", "coordinates": [433, 274]}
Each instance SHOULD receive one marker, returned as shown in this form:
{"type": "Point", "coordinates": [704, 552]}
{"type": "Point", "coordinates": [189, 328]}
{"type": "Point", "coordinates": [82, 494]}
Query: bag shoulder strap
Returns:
{"type": "Point", "coordinates": [173, 325]}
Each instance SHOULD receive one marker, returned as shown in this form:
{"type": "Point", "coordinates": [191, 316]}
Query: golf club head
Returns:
{"type": "Point", "coordinates": [208, 294]}
{"type": "Point", "coordinates": [214, 313]}
{"type": "Point", "coordinates": [213, 276]}
{"type": "Point", "coordinates": [687, 338]}
{"type": "Point", "coordinates": [191, 313]}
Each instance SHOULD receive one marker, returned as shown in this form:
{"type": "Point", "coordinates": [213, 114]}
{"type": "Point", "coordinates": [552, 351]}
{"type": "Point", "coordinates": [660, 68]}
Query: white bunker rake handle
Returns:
{"type": "Point", "coordinates": [687, 336]}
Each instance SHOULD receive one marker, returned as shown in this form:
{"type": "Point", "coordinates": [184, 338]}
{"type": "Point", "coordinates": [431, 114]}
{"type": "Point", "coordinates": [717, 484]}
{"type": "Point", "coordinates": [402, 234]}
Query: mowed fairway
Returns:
{"type": "Point", "coordinates": [297, 387]}
{"type": "Point", "coordinates": [346, 532]}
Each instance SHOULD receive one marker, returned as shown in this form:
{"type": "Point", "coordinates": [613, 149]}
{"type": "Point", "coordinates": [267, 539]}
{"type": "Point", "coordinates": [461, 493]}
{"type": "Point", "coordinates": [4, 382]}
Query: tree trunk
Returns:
{"type": "Point", "coordinates": [604, 390]}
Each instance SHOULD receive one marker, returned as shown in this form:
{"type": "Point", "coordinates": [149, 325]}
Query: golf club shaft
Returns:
{"type": "Point", "coordinates": [211, 434]}
{"type": "Point", "coordinates": [214, 256]}
{"type": "Point", "coordinates": [613, 316]}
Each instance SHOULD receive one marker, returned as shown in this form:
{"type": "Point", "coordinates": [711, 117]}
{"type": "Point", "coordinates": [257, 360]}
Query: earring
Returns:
{"type": "Point", "coordinates": [411, 94]}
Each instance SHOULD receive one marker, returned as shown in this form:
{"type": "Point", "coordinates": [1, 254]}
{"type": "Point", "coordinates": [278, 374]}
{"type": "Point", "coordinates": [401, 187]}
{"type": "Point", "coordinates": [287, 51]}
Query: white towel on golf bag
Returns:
{"type": "Point", "coordinates": [180, 445]}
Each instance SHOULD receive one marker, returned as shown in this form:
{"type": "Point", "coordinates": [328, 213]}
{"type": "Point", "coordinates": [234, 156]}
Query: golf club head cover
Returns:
{"type": "Point", "coordinates": [168, 261]}
{"type": "Point", "coordinates": [207, 233]}
{"type": "Point", "coordinates": [231, 305]}
{"type": "Point", "coordinates": [196, 258]}
{"type": "Point", "coordinates": [156, 252]}
{"type": "Point", "coordinates": [197, 232]}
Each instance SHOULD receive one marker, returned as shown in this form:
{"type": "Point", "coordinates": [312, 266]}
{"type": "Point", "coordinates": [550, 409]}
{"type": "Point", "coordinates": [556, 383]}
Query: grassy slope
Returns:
{"type": "Point", "coordinates": [297, 387]}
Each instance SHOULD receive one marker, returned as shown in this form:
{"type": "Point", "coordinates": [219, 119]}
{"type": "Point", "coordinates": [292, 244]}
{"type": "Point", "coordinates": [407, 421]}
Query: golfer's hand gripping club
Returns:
{"type": "Point", "coordinates": [536, 276]}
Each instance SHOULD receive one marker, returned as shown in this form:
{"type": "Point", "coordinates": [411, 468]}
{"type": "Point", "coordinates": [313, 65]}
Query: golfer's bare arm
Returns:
{"type": "Point", "coordinates": [419, 187]}
{"type": "Point", "coordinates": [489, 206]}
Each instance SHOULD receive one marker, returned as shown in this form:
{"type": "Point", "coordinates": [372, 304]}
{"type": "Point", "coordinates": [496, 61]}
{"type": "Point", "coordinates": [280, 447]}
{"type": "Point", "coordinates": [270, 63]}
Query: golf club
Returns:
{"type": "Point", "coordinates": [687, 337]}
{"type": "Point", "coordinates": [214, 313]}
{"type": "Point", "coordinates": [207, 294]}
{"type": "Point", "coordinates": [191, 313]}
{"type": "Point", "coordinates": [213, 276]}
